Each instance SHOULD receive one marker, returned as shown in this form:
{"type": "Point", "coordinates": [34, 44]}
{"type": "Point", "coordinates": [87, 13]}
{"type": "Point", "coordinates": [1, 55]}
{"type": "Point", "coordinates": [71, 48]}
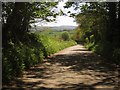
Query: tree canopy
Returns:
{"type": "Point", "coordinates": [99, 25]}
{"type": "Point", "coordinates": [22, 49]}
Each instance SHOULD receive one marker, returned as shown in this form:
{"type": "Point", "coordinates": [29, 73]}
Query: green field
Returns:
{"type": "Point", "coordinates": [53, 42]}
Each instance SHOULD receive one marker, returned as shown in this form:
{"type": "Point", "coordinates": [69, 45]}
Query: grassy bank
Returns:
{"type": "Point", "coordinates": [31, 50]}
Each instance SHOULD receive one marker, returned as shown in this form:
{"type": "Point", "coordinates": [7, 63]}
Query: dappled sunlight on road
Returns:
{"type": "Point", "coordinates": [73, 50]}
{"type": "Point", "coordinates": [73, 68]}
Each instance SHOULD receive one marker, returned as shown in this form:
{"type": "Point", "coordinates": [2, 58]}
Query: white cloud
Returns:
{"type": "Point", "coordinates": [61, 20]}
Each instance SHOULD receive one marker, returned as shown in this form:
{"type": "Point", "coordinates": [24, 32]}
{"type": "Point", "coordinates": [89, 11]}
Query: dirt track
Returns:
{"type": "Point", "coordinates": [73, 68]}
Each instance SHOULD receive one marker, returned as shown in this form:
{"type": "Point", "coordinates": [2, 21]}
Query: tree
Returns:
{"type": "Point", "coordinates": [22, 49]}
{"type": "Point", "coordinates": [65, 36]}
{"type": "Point", "coordinates": [112, 21]}
{"type": "Point", "coordinates": [101, 20]}
{"type": "Point", "coordinates": [17, 17]}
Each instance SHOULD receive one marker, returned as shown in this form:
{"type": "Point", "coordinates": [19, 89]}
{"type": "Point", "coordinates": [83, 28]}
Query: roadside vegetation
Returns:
{"type": "Point", "coordinates": [38, 46]}
{"type": "Point", "coordinates": [99, 28]}
{"type": "Point", "coordinates": [22, 48]}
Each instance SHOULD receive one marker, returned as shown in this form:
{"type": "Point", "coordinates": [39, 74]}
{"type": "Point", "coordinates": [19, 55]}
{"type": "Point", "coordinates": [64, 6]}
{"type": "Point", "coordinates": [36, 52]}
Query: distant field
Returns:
{"type": "Point", "coordinates": [53, 41]}
{"type": "Point", "coordinates": [56, 28]}
{"type": "Point", "coordinates": [55, 33]}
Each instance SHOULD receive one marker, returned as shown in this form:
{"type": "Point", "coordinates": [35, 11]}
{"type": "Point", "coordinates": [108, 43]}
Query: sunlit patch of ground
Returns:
{"type": "Point", "coordinates": [74, 68]}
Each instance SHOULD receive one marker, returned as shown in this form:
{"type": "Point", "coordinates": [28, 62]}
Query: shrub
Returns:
{"type": "Point", "coordinates": [65, 36]}
{"type": "Point", "coordinates": [103, 48]}
{"type": "Point", "coordinates": [20, 56]}
{"type": "Point", "coordinates": [89, 46]}
{"type": "Point", "coordinates": [116, 55]}
{"type": "Point", "coordinates": [53, 45]}
{"type": "Point", "coordinates": [98, 48]}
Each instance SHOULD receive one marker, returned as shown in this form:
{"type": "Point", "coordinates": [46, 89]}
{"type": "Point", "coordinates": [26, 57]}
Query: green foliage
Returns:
{"type": "Point", "coordinates": [21, 49]}
{"type": "Point", "coordinates": [98, 27]}
{"type": "Point", "coordinates": [116, 55]}
{"type": "Point", "coordinates": [89, 46]}
{"type": "Point", "coordinates": [77, 36]}
{"type": "Point", "coordinates": [7, 72]}
{"type": "Point", "coordinates": [53, 44]}
{"type": "Point", "coordinates": [29, 11]}
{"type": "Point", "coordinates": [65, 36]}
{"type": "Point", "coordinates": [20, 56]}
{"type": "Point", "coordinates": [103, 49]}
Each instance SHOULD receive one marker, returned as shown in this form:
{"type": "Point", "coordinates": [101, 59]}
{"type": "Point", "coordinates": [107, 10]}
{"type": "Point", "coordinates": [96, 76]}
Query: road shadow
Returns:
{"type": "Point", "coordinates": [80, 61]}
{"type": "Point", "coordinates": [19, 83]}
{"type": "Point", "coordinates": [83, 60]}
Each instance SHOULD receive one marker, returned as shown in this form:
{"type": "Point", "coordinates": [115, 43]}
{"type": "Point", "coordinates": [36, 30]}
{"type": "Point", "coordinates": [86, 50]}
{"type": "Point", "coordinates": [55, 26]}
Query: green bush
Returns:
{"type": "Point", "coordinates": [20, 56]}
{"type": "Point", "coordinates": [7, 72]}
{"type": "Point", "coordinates": [65, 36]}
{"type": "Point", "coordinates": [91, 38]}
{"type": "Point", "coordinates": [24, 54]}
{"type": "Point", "coordinates": [12, 63]}
{"type": "Point", "coordinates": [104, 49]}
{"type": "Point", "coordinates": [116, 55]}
{"type": "Point", "coordinates": [89, 46]}
{"type": "Point", "coordinates": [53, 45]}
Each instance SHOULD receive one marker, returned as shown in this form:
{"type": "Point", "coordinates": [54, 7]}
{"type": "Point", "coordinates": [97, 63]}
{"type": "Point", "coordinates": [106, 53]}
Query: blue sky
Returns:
{"type": "Point", "coordinates": [61, 20]}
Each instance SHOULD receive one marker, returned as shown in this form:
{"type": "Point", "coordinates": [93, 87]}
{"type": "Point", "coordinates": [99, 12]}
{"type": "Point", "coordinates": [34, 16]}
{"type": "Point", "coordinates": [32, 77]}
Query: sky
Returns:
{"type": "Point", "coordinates": [61, 20]}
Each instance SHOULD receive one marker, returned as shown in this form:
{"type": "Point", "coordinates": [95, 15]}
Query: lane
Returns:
{"type": "Point", "coordinates": [73, 68]}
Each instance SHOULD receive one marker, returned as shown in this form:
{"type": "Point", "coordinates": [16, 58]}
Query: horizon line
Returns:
{"type": "Point", "coordinates": [55, 25]}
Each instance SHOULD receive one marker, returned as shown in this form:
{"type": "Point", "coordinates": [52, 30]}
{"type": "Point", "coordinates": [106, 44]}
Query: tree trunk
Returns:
{"type": "Point", "coordinates": [112, 21]}
{"type": "Point", "coordinates": [119, 23]}
{"type": "Point", "coordinates": [16, 24]}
